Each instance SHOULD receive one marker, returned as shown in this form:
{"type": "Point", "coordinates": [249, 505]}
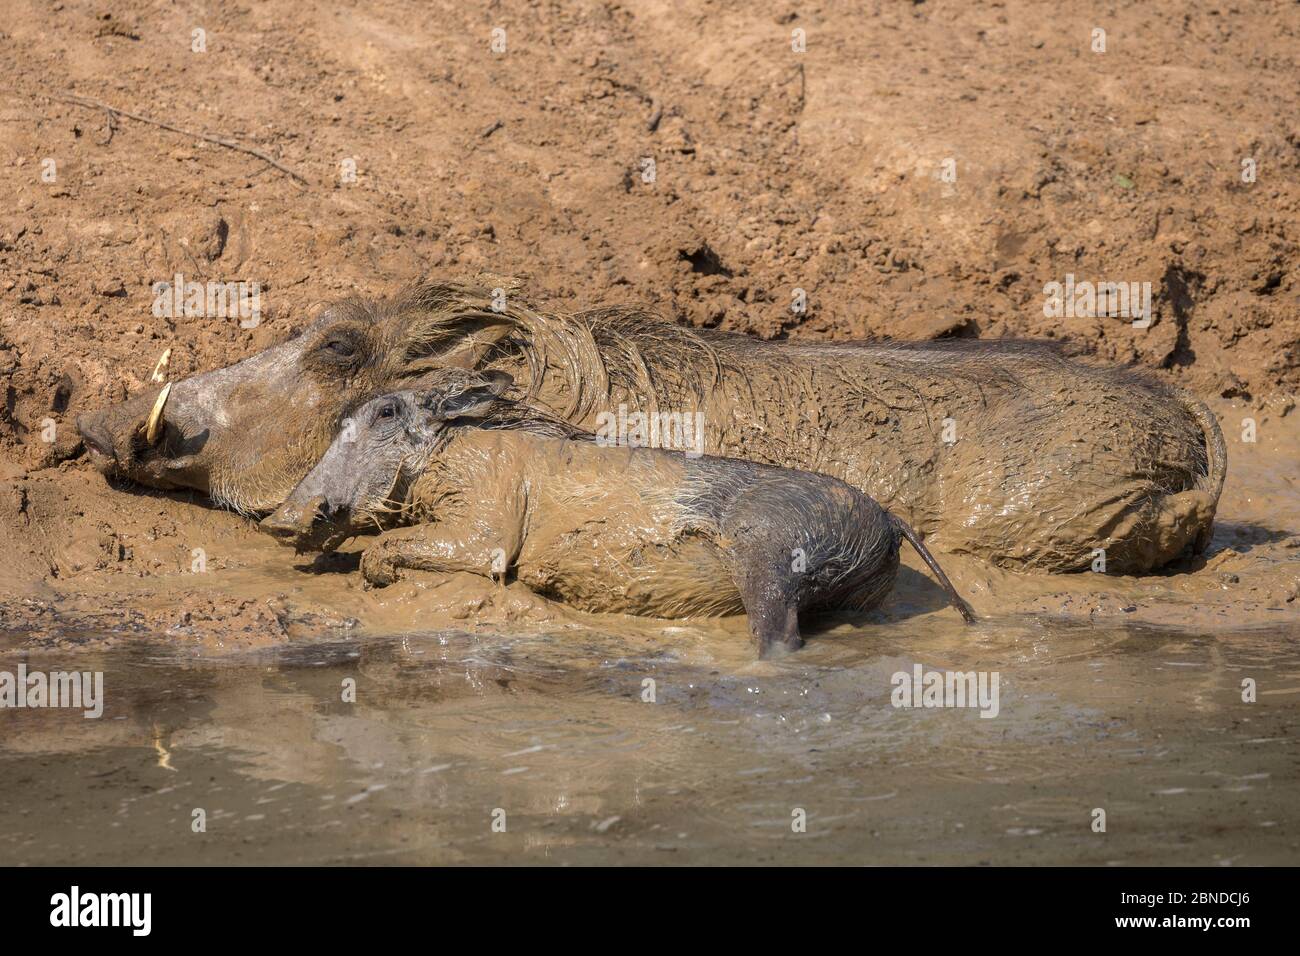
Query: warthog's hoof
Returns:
{"type": "Point", "coordinates": [377, 568]}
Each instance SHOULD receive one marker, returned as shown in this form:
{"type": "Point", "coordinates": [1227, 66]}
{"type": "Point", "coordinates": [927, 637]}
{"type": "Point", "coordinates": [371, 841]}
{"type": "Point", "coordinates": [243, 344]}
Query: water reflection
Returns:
{"type": "Point", "coordinates": [554, 730]}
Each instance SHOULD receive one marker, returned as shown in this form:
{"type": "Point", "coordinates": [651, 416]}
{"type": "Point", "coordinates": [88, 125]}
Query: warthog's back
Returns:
{"type": "Point", "coordinates": [1005, 451]}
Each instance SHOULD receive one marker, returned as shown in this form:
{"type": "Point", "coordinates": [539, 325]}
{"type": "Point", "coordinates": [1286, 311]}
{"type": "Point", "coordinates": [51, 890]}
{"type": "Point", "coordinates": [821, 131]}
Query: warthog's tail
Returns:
{"type": "Point", "coordinates": [962, 607]}
{"type": "Point", "coordinates": [1216, 465]}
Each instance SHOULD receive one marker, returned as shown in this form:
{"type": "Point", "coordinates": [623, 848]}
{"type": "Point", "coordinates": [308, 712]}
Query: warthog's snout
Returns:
{"type": "Point", "coordinates": [94, 431]}
{"type": "Point", "coordinates": [113, 435]}
{"type": "Point", "coordinates": [139, 438]}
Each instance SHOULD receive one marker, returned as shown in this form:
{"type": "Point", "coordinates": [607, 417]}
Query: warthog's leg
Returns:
{"type": "Point", "coordinates": [773, 609]}
{"type": "Point", "coordinates": [774, 625]}
{"type": "Point", "coordinates": [766, 529]}
{"type": "Point", "coordinates": [432, 547]}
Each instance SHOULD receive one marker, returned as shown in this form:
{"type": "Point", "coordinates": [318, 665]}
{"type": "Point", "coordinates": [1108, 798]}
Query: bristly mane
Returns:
{"type": "Point", "coordinates": [586, 356]}
{"type": "Point", "coordinates": [590, 353]}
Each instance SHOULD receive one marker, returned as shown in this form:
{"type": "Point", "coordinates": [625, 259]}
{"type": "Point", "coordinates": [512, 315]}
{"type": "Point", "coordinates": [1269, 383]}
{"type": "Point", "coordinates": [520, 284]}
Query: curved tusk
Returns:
{"type": "Point", "coordinates": [154, 425]}
{"type": "Point", "coordinates": [159, 370]}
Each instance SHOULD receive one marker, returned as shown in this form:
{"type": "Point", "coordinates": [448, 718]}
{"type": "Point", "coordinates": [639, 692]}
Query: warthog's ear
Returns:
{"type": "Point", "coordinates": [463, 343]}
{"type": "Point", "coordinates": [471, 403]}
{"type": "Point", "coordinates": [474, 399]}
{"type": "Point", "coordinates": [457, 325]}
{"type": "Point", "coordinates": [497, 380]}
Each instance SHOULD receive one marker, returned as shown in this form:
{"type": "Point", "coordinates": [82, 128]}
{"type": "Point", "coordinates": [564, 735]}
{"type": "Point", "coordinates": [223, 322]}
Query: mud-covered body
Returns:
{"type": "Point", "coordinates": [1006, 451]}
{"type": "Point", "coordinates": [645, 531]}
{"type": "Point", "coordinates": [603, 528]}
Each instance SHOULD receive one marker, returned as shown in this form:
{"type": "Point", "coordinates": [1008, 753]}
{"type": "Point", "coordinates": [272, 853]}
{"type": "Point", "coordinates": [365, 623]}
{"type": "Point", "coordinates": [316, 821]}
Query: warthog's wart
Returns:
{"type": "Point", "coordinates": [490, 487]}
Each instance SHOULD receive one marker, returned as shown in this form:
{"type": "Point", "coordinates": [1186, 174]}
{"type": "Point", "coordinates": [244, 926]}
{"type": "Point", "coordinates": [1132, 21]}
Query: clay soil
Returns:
{"type": "Point", "coordinates": [681, 155]}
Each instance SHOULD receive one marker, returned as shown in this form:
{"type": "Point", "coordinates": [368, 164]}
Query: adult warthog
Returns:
{"type": "Point", "coordinates": [1006, 451]}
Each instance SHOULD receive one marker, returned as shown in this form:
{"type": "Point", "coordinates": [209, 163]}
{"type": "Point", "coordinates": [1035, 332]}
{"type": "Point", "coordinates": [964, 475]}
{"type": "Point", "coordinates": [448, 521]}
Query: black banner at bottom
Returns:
{"type": "Point", "coordinates": [334, 906]}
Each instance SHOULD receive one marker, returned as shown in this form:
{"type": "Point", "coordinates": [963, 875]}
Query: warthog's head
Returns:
{"type": "Point", "coordinates": [247, 433]}
{"type": "Point", "coordinates": [363, 480]}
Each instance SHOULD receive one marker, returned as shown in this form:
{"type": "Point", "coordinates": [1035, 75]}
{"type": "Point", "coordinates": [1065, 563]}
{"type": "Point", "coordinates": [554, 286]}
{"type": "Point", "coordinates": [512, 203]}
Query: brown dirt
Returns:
{"type": "Point", "coordinates": [774, 171]}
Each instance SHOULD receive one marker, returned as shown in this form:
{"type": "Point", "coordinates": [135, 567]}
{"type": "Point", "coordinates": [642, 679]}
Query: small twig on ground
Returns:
{"type": "Point", "coordinates": [206, 137]}
{"type": "Point", "coordinates": [111, 126]}
{"type": "Point", "coordinates": [656, 115]}
{"type": "Point", "coordinates": [491, 129]}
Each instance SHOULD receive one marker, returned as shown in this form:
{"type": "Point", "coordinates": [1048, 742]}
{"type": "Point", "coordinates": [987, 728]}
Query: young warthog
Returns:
{"type": "Point", "coordinates": [1006, 451]}
{"type": "Point", "coordinates": [489, 488]}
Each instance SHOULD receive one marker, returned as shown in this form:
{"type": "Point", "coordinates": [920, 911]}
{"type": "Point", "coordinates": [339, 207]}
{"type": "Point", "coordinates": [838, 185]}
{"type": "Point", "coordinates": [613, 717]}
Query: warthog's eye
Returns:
{"type": "Point", "coordinates": [384, 411]}
{"type": "Point", "coordinates": [341, 347]}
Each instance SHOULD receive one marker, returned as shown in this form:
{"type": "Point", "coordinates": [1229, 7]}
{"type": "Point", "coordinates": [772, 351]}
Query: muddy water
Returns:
{"type": "Point", "coordinates": [551, 728]}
